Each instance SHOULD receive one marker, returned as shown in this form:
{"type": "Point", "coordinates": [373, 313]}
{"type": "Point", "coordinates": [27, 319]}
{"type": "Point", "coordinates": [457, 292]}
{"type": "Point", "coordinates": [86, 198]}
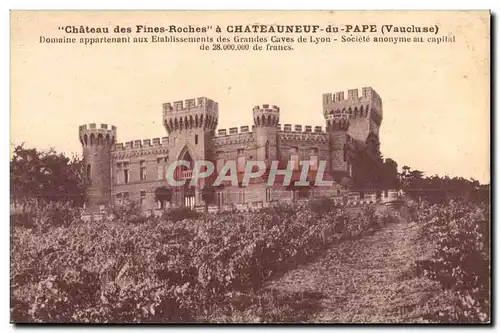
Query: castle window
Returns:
{"type": "Point", "coordinates": [294, 157]}
{"type": "Point", "coordinates": [268, 194]}
{"type": "Point", "coordinates": [118, 173]}
{"type": "Point", "coordinates": [313, 163]}
{"type": "Point", "coordinates": [220, 199]}
{"type": "Point", "coordinates": [220, 164]}
{"type": "Point", "coordinates": [143, 174]}
{"type": "Point", "coordinates": [240, 163]}
{"type": "Point", "coordinates": [160, 169]}
{"type": "Point", "coordinates": [121, 198]}
{"type": "Point", "coordinates": [196, 139]}
{"type": "Point", "coordinates": [267, 150]}
{"type": "Point", "coordinates": [313, 159]}
{"type": "Point", "coordinates": [143, 197]}
{"type": "Point", "coordinates": [89, 173]}
{"type": "Point", "coordinates": [125, 173]}
{"type": "Point", "coordinates": [241, 195]}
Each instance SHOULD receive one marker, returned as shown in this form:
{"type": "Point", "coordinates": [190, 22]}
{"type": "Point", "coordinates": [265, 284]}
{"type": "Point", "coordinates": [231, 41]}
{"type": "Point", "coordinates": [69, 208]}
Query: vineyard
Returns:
{"type": "Point", "coordinates": [212, 268]}
{"type": "Point", "coordinates": [460, 259]}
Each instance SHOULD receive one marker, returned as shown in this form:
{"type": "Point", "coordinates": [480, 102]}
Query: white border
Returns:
{"type": "Point", "coordinates": [214, 4]}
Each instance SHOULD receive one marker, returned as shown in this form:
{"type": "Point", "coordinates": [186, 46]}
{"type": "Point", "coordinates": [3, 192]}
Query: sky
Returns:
{"type": "Point", "coordinates": [436, 98]}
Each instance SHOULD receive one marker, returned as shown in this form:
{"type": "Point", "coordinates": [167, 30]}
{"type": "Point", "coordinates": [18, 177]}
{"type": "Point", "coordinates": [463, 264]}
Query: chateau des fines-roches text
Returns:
{"type": "Point", "coordinates": [262, 29]}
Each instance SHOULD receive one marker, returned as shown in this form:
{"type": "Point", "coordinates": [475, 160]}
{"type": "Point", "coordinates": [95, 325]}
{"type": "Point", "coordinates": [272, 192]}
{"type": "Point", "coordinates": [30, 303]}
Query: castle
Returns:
{"type": "Point", "coordinates": [135, 170]}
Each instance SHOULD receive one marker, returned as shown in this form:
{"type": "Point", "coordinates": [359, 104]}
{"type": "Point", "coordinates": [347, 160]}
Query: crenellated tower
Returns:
{"type": "Point", "coordinates": [354, 124]}
{"type": "Point", "coordinates": [363, 111]}
{"type": "Point", "coordinates": [191, 126]}
{"type": "Point", "coordinates": [266, 119]}
{"type": "Point", "coordinates": [97, 142]}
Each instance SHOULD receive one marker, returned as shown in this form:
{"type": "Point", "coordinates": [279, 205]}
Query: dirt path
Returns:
{"type": "Point", "coordinates": [364, 280]}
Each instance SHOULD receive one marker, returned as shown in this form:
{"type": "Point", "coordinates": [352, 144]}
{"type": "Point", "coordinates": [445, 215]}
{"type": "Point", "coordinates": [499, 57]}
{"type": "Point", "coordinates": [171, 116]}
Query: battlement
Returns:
{"type": "Point", "coordinates": [266, 107]}
{"type": "Point", "coordinates": [143, 143]}
{"type": "Point", "coordinates": [100, 128]}
{"type": "Point", "coordinates": [303, 133]}
{"type": "Point", "coordinates": [266, 115]}
{"type": "Point", "coordinates": [233, 135]}
{"type": "Point", "coordinates": [300, 128]}
{"type": "Point", "coordinates": [336, 101]}
{"type": "Point", "coordinates": [200, 103]}
{"type": "Point", "coordinates": [96, 134]}
{"type": "Point", "coordinates": [234, 130]}
{"type": "Point", "coordinates": [352, 94]}
{"type": "Point", "coordinates": [191, 113]}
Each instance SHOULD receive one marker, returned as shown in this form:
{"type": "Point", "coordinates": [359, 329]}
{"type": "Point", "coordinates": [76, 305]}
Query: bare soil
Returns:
{"type": "Point", "coordinates": [368, 280]}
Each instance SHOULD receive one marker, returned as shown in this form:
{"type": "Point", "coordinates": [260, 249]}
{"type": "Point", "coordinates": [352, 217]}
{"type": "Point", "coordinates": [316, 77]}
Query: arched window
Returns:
{"type": "Point", "coordinates": [100, 139]}
{"type": "Point", "coordinates": [196, 139]}
{"type": "Point", "coordinates": [313, 159]}
{"type": "Point", "coordinates": [267, 150]}
{"type": "Point", "coordinates": [241, 160]}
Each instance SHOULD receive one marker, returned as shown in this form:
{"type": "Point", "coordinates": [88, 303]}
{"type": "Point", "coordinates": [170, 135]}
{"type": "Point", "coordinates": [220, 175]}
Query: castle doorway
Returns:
{"type": "Point", "coordinates": [189, 195]}
{"type": "Point", "coordinates": [186, 173]}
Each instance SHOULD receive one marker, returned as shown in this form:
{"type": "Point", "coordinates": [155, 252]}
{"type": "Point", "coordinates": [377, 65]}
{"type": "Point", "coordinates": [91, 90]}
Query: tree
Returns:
{"type": "Point", "coordinates": [389, 178]}
{"type": "Point", "coordinates": [208, 195]}
{"type": "Point", "coordinates": [163, 194]}
{"type": "Point", "coordinates": [46, 177]}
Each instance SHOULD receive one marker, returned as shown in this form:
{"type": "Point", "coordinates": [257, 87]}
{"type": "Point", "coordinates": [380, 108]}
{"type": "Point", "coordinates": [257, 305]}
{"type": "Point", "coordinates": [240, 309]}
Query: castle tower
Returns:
{"type": "Point", "coordinates": [97, 142]}
{"type": "Point", "coordinates": [191, 125]}
{"type": "Point", "coordinates": [266, 119]}
{"type": "Point", "coordinates": [364, 113]}
{"type": "Point", "coordinates": [337, 132]}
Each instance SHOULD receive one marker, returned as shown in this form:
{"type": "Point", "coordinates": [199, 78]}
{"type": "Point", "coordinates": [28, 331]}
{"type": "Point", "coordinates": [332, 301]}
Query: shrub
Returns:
{"type": "Point", "coordinates": [461, 260]}
{"type": "Point", "coordinates": [180, 268]}
{"type": "Point", "coordinates": [322, 205]}
{"type": "Point", "coordinates": [180, 213]}
{"type": "Point", "coordinates": [47, 215]}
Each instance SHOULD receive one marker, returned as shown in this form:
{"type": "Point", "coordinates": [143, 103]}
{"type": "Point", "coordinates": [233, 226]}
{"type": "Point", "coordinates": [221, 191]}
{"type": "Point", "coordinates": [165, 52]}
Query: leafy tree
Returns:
{"type": "Point", "coordinates": [163, 194]}
{"type": "Point", "coordinates": [389, 177]}
{"type": "Point", "coordinates": [46, 177]}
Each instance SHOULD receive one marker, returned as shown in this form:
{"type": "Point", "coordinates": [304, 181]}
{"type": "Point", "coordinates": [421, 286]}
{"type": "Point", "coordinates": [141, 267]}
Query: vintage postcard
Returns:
{"type": "Point", "coordinates": [250, 167]}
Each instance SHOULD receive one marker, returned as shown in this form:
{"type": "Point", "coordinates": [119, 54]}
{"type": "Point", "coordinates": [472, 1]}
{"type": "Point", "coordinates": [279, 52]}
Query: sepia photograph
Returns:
{"type": "Point", "coordinates": [250, 167]}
